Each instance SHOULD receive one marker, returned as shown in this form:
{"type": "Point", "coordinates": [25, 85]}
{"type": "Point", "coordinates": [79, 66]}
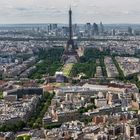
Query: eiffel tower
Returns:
{"type": "Point", "coordinates": [70, 50]}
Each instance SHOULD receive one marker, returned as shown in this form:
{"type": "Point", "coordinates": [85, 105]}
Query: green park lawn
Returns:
{"type": "Point", "coordinates": [1, 95]}
{"type": "Point", "coordinates": [67, 69]}
{"type": "Point", "coordinates": [23, 137]}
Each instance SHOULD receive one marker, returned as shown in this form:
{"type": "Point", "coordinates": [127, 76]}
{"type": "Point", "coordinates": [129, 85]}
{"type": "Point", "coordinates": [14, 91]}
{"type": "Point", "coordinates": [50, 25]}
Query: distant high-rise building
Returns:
{"type": "Point", "coordinates": [49, 27]}
{"type": "Point", "coordinates": [88, 26]}
{"type": "Point", "coordinates": [101, 28]}
{"type": "Point", "coordinates": [65, 31]}
{"type": "Point", "coordinates": [54, 26]}
{"type": "Point", "coordinates": [95, 29]}
{"type": "Point", "coordinates": [88, 29]}
{"type": "Point", "coordinates": [130, 31]}
{"type": "Point", "coordinates": [75, 29]}
{"type": "Point", "coordinates": [113, 32]}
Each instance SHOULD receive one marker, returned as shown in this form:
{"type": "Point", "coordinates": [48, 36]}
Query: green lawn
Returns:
{"type": "Point", "coordinates": [23, 137]}
{"type": "Point", "coordinates": [88, 69]}
{"type": "Point", "coordinates": [1, 95]}
{"type": "Point", "coordinates": [67, 69]}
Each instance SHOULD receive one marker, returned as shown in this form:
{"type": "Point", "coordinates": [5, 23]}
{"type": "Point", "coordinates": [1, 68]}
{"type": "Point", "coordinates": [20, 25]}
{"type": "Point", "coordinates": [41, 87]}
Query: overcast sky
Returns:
{"type": "Point", "coordinates": [55, 11]}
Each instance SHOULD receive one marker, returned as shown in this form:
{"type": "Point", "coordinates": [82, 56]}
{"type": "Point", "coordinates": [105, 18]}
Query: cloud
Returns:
{"type": "Point", "coordinates": [22, 9]}
{"type": "Point", "coordinates": [108, 11]}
